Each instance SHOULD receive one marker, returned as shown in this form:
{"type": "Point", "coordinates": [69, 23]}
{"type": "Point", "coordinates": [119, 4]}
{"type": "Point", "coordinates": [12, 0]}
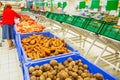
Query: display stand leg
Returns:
{"type": "Point", "coordinates": [64, 32]}
{"type": "Point", "coordinates": [101, 54]}
{"type": "Point", "coordinates": [90, 46]}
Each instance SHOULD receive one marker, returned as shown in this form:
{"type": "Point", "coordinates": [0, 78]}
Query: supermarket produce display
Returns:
{"type": "Point", "coordinates": [55, 38]}
{"type": "Point", "coordinates": [40, 52]}
{"type": "Point", "coordinates": [110, 18]}
{"type": "Point", "coordinates": [106, 24]}
{"type": "Point", "coordinates": [41, 45]}
{"type": "Point", "coordinates": [69, 67]}
{"type": "Point", "coordinates": [68, 70]}
{"type": "Point", "coordinates": [27, 25]}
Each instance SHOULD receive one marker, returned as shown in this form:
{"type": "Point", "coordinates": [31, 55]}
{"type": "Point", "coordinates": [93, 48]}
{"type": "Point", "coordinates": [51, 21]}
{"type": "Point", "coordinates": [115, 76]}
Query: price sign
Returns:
{"type": "Point", "coordinates": [112, 5]}
{"type": "Point", "coordinates": [82, 5]}
{"type": "Point", "coordinates": [95, 4]}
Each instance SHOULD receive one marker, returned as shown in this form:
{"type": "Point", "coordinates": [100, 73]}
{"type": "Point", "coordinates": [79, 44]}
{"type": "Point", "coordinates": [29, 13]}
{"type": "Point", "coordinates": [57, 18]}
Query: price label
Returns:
{"type": "Point", "coordinates": [113, 12]}
{"type": "Point", "coordinates": [118, 22]}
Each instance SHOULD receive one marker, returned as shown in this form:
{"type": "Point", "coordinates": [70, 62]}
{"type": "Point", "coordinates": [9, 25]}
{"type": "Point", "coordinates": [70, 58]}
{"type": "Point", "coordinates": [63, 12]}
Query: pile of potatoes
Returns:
{"type": "Point", "coordinates": [39, 46]}
{"type": "Point", "coordinates": [69, 70]}
{"type": "Point", "coordinates": [110, 18]}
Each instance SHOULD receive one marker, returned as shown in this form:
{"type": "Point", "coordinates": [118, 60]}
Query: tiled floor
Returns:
{"type": "Point", "coordinates": [9, 64]}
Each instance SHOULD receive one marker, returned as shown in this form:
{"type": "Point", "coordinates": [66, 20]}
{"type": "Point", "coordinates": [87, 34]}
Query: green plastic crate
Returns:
{"type": "Point", "coordinates": [26, 9]}
{"type": "Point", "coordinates": [70, 19]}
{"type": "Point", "coordinates": [55, 16]}
{"type": "Point", "coordinates": [46, 13]}
{"type": "Point", "coordinates": [94, 26]}
{"type": "Point", "coordinates": [80, 21]}
{"type": "Point", "coordinates": [51, 15]}
{"type": "Point", "coordinates": [110, 31]}
{"type": "Point", "coordinates": [62, 17]}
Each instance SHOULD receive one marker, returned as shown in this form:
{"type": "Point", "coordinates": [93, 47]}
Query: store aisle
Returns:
{"type": "Point", "coordinates": [9, 64]}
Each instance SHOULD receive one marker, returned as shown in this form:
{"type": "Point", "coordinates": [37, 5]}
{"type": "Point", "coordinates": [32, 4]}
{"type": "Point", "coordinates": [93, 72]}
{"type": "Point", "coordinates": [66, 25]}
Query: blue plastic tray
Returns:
{"type": "Point", "coordinates": [19, 50]}
{"type": "Point", "coordinates": [16, 34]}
{"type": "Point", "coordinates": [92, 67]}
{"type": "Point", "coordinates": [47, 34]}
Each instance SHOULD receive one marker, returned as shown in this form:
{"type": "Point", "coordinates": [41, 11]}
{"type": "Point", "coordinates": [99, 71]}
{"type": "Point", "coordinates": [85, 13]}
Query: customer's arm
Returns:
{"type": "Point", "coordinates": [16, 14]}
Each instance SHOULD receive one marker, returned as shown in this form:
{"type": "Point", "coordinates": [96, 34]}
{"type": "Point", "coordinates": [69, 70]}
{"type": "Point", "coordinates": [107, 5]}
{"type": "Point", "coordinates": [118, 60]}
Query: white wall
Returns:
{"type": "Point", "coordinates": [70, 8]}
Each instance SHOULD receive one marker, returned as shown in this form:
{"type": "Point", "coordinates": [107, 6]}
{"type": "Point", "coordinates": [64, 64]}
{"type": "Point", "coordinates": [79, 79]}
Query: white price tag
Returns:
{"type": "Point", "coordinates": [118, 22]}
{"type": "Point", "coordinates": [113, 12]}
{"type": "Point", "coordinates": [103, 9]}
{"type": "Point", "coordinates": [95, 10]}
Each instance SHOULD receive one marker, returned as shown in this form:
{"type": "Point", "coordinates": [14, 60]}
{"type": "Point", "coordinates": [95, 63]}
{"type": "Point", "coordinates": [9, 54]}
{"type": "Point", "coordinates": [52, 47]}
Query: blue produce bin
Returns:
{"type": "Point", "coordinates": [47, 34]}
{"type": "Point", "coordinates": [91, 67]}
{"type": "Point", "coordinates": [19, 50]}
{"type": "Point", "coordinates": [16, 34]}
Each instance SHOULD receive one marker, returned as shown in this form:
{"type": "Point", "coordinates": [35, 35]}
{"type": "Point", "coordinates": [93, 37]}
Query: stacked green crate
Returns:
{"type": "Point", "coordinates": [55, 16]}
{"type": "Point", "coordinates": [95, 26]}
{"type": "Point", "coordinates": [80, 21]}
{"type": "Point", "coordinates": [62, 17]}
{"type": "Point", "coordinates": [46, 13]}
{"type": "Point", "coordinates": [70, 19]}
{"type": "Point", "coordinates": [51, 15]}
{"type": "Point", "coordinates": [26, 9]}
{"type": "Point", "coordinates": [111, 31]}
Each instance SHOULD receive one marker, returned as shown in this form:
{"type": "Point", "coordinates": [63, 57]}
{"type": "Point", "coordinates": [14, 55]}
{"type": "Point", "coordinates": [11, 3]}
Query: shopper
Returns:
{"type": "Point", "coordinates": [8, 24]}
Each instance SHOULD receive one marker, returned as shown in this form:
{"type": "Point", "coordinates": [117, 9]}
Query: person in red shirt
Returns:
{"type": "Point", "coordinates": [8, 24]}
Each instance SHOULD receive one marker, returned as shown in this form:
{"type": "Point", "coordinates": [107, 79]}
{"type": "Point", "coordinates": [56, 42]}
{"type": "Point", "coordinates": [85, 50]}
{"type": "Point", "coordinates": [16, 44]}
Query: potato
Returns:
{"type": "Point", "coordinates": [80, 64]}
{"type": "Point", "coordinates": [87, 78]}
{"type": "Point", "coordinates": [60, 66]}
{"type": "Point", "coordinates": [74, 75]}
{"type": "Point", "coordinates": [68, 79]}
{"type": "Point", "coordinates": [57, 78]}
{"type": "Point", "coordinates": [46, 67]}
{"type": "Point", "coordinates": [93, 79]}
{"type": "Point", "coordinates": [34, 73]}
{"type": "Point", "coordinates": [81, 68]}
{"type": "Point", "coordinates": [72, 63]}
{"type": "Point", "coordinates": [53, 63]}
{"type": "Point", "coordinates": [63, 75]}
{"type": "Point", "coordinates": [85, 66]}
{"type": "Point", "coordinates": [37, 67]}
{"type": "Point", "coordinates": [42, 77]}
{"type": "Point", "coordinates": [45, 74]}
{"type": "Point", "coordinates": [48, 79]}
{"type": "Point", "coordinates": [33, 78]}
{"type": "Point", "coordinates": [99, 76]}
{"type": "Point", "coordinates": [85, 71]}
{"type": "Point", "coordinates": [84, 75]}
{"type": "Point", "coordinates": [80, 78]}
{"type": "Point", "coordinates": [65, 63]}
{"type": "Point", "coordinates": [39, 72]}
{"type": "Point", "coordinates": [80, 72]}
{"type": "Point", "coordinates": [69, 59]}
{"type": "Point", "coordinates": [70, 68]}
{"type": "Point", "coordinates": [75, 68]}
{"type": "Point", "coordinates": [54, 72]}
{"type": "Point", "coordinates": [37, 78]}
{"type": "Point", "coordinates": [31, 69]}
